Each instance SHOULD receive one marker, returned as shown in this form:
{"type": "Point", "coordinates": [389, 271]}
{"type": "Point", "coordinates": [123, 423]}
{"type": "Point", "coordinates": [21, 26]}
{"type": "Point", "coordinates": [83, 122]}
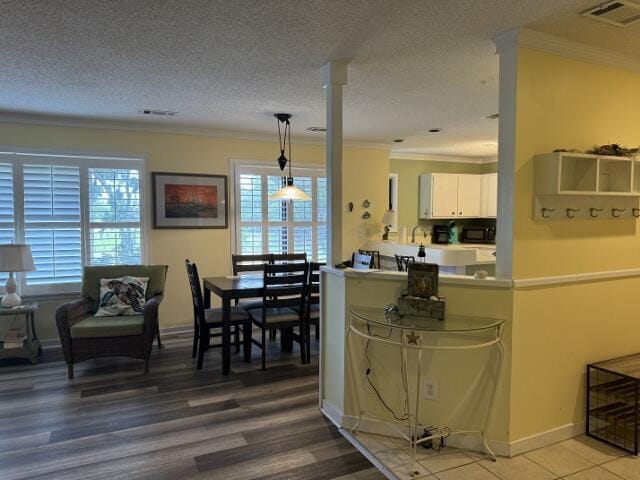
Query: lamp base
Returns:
{"type": "Point", "coordinates": [385, 235]}
{"type": "Point", "coordinates": [11, 300]}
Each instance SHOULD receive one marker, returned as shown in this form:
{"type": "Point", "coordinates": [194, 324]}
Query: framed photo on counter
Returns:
{"type": "Point", "coordinates": [189, 200]}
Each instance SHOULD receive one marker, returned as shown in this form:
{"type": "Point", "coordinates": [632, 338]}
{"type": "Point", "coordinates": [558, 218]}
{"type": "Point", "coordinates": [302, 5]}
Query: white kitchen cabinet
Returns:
{"type": "Point", "coordinates": [469, 196]}
{"type": "Point", "coordinates": [489, 196]}
{"type": "Point", "coordinates": [447, 195]}
{"type": "Point", "coordinates": [444, 197]}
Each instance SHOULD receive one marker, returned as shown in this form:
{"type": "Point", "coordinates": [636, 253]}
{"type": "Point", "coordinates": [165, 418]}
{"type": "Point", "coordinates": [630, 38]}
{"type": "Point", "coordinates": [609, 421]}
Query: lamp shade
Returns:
{"type": "Point", "coordinates": [16, 258]}
{"type": "Point", "coordinates": [290, 192]}
{"type": "Point", "coordinates": [390, 217]}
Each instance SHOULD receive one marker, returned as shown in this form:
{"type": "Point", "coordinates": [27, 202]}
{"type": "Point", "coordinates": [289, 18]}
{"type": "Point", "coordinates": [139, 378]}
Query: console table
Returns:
{"type": "Point", "coordinates": [409, 333]}
{"type": "Point", "coordinates": [31, 348]}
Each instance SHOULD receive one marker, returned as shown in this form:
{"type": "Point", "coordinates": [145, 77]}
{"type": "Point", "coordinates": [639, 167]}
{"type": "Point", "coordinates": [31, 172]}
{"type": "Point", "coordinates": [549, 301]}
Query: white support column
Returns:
{"type": "Point", "coordinates": [507, 48]}
{"type": "Point", "coordinates": [334, 76]}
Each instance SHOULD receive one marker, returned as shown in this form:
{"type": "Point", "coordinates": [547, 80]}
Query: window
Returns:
{"type": "Point", "coordinates": [277, 226]}
{"type": "Point", "coordinates": [72, 211]}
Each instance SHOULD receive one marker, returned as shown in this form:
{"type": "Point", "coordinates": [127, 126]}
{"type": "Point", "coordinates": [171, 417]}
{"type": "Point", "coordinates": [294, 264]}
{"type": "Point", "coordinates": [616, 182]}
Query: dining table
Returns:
{"type": "Point", "coordinates": [230, 289]}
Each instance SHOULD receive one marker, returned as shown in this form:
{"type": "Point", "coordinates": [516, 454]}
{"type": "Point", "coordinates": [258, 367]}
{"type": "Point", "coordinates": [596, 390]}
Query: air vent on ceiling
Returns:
{"type": "Point", "coordinates": [161, 113]}
{"type": "Point", "coordinates": [317, 129]}
{"type": "Point", "coordinates": [620, 13]}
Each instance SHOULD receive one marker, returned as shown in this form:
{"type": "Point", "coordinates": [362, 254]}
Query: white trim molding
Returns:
{"type": "Point", "coordinates": [575, 278]}
{"type": "Point", "coordinates": [156, 127]}
{"type": "Point", "coordinates": [427, 157]}
{"type": "Point", "coordinates": [544, 42]}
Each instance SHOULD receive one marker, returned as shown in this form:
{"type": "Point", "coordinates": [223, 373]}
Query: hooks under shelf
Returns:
{"type": "Point", "coordinates": [568, 207]}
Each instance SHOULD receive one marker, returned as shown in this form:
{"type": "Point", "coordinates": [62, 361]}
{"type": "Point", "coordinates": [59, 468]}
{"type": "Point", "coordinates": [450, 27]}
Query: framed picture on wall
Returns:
{"type": "Point", "coordinates": [189, 200]}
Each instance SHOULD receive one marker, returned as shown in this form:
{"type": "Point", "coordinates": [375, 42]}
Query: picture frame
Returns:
{"type": "Point", "coordinates": [423, 279]}
{"type": "Point", "coordinates": [189, 200]}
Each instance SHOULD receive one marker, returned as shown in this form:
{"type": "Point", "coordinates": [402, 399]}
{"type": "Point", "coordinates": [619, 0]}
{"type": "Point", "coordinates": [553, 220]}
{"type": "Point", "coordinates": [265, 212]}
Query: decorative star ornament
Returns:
{"type": "Point", "coordinates": [412, 338]}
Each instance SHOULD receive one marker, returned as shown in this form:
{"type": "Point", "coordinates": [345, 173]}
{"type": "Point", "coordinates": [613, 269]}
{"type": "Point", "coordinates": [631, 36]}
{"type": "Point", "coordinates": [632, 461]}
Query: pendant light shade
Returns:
{"type": "Point", "coordinates": [289, 191]}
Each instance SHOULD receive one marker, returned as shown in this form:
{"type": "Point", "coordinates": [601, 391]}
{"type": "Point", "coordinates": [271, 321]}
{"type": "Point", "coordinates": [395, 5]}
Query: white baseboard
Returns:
{"type": "Point", "coordinates": [180, 329]}
{"type": "Point", "coordinates": [544, 439]}
{"type": "Point", "coordinates": [468, 442]}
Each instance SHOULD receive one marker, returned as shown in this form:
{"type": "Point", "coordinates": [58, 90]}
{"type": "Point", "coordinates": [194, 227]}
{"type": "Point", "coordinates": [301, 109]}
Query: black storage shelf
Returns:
{"type": "Point", "coordinates": [613, 396]}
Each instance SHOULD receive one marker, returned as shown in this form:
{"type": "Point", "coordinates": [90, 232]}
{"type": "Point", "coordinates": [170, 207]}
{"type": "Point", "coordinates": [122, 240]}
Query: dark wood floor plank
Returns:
{"type": "Point", "coordinates": [113, 422]}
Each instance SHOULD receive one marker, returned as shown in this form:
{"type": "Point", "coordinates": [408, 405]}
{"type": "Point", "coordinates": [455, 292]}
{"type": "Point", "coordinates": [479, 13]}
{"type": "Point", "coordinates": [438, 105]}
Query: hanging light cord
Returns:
{"type": "Point", "coordinates": [288, 129]}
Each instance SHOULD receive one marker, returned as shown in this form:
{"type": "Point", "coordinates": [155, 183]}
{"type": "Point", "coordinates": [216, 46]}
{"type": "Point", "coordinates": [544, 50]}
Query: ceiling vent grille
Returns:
{"type": "Point", "coordinates": [317, 129]}
{"type": "Point", "coordinates": [161, 113]}
{"type": "Point", "coordinates": [620, 13]}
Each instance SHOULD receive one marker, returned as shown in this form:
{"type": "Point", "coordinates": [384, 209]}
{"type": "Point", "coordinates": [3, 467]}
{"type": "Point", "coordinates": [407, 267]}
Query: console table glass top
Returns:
{"type": "Point", "coordinates": [451, 323]}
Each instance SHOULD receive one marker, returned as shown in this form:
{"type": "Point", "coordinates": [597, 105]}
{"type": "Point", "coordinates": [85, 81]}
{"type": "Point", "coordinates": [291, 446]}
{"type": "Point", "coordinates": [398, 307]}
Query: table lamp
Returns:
{"type": "Point", "coordinates": [14, 258]}
{"type": "Point", "coordinates": [390, 217]}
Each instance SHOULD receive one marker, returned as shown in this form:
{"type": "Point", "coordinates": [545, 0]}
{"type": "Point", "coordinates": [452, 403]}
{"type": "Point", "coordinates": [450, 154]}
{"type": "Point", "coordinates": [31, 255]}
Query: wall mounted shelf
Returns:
{"type": "Point", "coordinates": [570, 186]}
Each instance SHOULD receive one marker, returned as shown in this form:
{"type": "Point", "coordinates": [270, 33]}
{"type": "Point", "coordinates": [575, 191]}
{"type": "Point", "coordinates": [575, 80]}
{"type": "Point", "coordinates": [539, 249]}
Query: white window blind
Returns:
{"type": "Point", "coordinates": [7, 226]}
{"type": "Point", "coordinates": [72, 211]}
{"type": "Point", "coordinates": [114, 216]}
{"type": "Point", "coordinates": [277, 226]}
{"type": "Point", "coordinates": [52, 222]}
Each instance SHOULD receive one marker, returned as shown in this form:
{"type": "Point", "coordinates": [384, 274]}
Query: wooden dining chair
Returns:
{"type": "Point", "coordinates": [207, 319]}
{"type": "Point", "coordinates": [285, 287]}
{"type": "Point", "coordinates": [249, 264]}
{"type": "Point", "coordinates": [403, 262]}
{"type": "Point", "coordinates": [313, 302]}
{"type": "Point", "coordinates": [375, 257]}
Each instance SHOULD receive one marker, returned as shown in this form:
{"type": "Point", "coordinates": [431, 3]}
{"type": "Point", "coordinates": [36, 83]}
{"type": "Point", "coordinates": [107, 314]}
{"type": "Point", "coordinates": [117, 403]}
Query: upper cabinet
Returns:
{"type": "Point", "coordinates": [445, 195]}
{"type": "Point", "coordinates": [564, 173]}
{"type": "Point", "coordinates": [469, 195]}
{"type": "Point", "coordinates": [489, 196]}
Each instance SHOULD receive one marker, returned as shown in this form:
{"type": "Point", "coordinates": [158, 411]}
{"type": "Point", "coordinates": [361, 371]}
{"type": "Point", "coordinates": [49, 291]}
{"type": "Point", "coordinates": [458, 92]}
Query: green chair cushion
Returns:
{"type": "Point", "coordinates": [91, 276]}
{"type": "Point", "coordinates": [98, 327]}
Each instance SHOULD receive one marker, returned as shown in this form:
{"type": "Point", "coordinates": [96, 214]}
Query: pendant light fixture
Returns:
{"type": "Point", "coordinates": [289, 191]}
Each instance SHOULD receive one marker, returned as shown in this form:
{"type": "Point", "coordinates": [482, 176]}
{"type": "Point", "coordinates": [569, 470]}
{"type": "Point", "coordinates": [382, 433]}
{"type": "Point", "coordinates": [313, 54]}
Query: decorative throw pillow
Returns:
{"type": "Point", "coordinates": [122, 296]}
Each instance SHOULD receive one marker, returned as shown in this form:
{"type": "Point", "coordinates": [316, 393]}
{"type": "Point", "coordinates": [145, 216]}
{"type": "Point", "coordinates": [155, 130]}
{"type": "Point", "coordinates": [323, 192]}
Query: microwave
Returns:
{"type": "Point", "coordinates": [478, 235]}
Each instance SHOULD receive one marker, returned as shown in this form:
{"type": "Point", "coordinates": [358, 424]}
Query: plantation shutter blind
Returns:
{"type": "Point", "coordinates": [280, 226]}
{"type": "Point", "coordinates": [52, 221]}
{"type": "Point", "coordinates": [72, 210]}
{"type": "Point", "coordinates": [114, 216]}
{"type": "Point", "coordinates": [7, 225]}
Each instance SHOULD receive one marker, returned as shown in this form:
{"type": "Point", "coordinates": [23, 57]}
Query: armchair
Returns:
{"type": "Point", "coordinates": [84, 336]}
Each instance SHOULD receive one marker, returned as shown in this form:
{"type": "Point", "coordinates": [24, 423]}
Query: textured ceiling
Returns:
{"type": "Point", "coordinates": [229, 65]}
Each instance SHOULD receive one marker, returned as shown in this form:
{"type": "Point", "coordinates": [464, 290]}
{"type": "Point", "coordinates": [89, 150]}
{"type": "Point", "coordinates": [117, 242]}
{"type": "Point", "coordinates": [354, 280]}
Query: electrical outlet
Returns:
{"type": "Point", "coordinates": [430, 389]}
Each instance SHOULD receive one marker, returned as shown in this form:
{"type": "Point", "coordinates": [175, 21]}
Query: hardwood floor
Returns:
{"type": "Point", "coordinates": [113, 422]}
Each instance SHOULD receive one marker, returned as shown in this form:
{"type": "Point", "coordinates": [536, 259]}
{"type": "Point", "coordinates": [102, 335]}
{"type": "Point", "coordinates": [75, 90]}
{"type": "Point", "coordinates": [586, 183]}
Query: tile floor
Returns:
{"type": "Point", "coordinates": [580, 458]}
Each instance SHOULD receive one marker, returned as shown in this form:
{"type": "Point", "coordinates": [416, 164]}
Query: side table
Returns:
{"type": "Point", "coordinates": [31, 347]}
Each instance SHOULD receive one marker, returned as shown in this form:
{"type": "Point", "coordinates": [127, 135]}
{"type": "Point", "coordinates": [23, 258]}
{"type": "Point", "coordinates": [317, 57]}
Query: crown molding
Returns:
{"type": "Point", "coordinates": [441, 158]}
{"type": "Point", "coordinates": [62, 121]}
{"type": "Point", "coordinates": [544, 42]}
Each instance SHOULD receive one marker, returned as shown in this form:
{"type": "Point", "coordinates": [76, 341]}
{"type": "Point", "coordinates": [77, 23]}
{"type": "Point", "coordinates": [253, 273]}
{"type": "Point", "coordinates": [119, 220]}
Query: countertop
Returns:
{"type": "Point", "coordinates": [445, 255]}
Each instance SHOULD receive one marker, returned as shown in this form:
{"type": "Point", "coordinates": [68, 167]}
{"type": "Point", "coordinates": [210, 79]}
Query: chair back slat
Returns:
{"type": "Point", "coordinates": [375, 257]}
{"type": "Point", "coordinates": [249, 263]}
{"type": "Point", "coordinates": [403, 261]}
{"type": "Point", "coordinates": [196, 291]}
{"type": "Point", "coordinates": [288, 257]}
{"type": "Point", "coordinates": [360, 261]}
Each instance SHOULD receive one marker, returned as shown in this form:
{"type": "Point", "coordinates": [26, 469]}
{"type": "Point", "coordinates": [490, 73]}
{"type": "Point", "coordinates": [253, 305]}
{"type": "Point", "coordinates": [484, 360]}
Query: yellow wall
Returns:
{"type": "Point", "coordinates": [563, 103]}
{"type": "Point", "coordinates": [200, 154]}
{"type": "Point", "coordinates": [558, 329]}
{"type": "Point", "coordinates": [408, 174]}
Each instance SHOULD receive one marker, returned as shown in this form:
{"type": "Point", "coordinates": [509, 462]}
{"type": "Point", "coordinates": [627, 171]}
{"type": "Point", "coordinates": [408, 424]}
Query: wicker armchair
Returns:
{"type": "Point", "coordinates": [84, 336]}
